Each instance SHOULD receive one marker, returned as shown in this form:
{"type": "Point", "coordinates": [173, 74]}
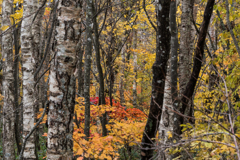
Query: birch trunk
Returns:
{"type": "Point", "coordinates": [187, 35]}
{"type": "Point", "coordinates": [63, 65]}
{"type": "Point", "coordinates": [30, 40]}
{"type": "Point", "coordinates": [8, 85]}
{"type": "Point", "coordinates": [186, 43]}
{"type": "Point", "coordinates": [166, 123]}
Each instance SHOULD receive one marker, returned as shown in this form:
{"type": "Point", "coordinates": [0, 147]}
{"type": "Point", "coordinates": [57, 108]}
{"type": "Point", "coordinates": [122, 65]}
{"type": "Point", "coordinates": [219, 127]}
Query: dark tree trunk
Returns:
{"type": "Point", "coordinates": [159, 74]}
{"type": "Point", "coordinates": [16, 87]}
{"type": "Point", "coordinates": [100, 74]}
{"type": "Point", "coordinates": [87, 68]}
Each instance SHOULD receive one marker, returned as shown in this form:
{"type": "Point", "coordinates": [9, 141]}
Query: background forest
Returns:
{"type": "Point", "coordinates": [120, 79]}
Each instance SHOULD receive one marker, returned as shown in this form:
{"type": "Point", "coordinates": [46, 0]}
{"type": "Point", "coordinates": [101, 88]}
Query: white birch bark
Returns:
{"type": "Point", "coordinates": [167, 118]}
{"type": "Point", "coordinates": [8, 85]}
{"type": "Point", "coordinates": [30, 40]}
{"type": "Point", "coordinates": [63, 65]}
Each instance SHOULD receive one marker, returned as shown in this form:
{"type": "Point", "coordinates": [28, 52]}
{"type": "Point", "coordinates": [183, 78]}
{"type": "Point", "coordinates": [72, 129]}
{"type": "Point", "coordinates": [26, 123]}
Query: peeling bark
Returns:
{"type": "Point", "coordinates": [8, 85]}
{"type": "Point", "coordinates": [61, 85]}
{"type": "Point", "coordinates": [30, 41]}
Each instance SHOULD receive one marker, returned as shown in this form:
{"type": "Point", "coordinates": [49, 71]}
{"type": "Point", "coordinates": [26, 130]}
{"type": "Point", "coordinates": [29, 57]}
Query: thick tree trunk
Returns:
{"type": "Point", "coordinates": [30, 40]}
{"type": "Point", "coordinates": [61, 85]}
{"type": "Point", "coordinates": [159, 75]}
{"type": "Point", "coordinates": [199, 51]}
{"type": "Point", "coordinates": [87, 67]}
{"type": "Point", "coordinates": [168, 121]}
{"type": "Point", "coordinates": [8, 85]}
{"type": "Point", "coordinates": [187, 36]}
{"type": "Point", "coordinates": [186, 43]}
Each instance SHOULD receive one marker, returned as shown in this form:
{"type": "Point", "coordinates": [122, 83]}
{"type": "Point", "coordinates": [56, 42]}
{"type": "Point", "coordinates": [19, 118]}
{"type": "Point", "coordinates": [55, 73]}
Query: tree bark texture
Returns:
{"type": "Point", "coordinates": [8, 85]}
{"type": "Point", "coordinates": [187, 36]}
{"type": "Point", "coordinates": [135, 69]}
{"type": "Point", "coordinates": [87, 67]}
{"type": "Point", "coordinates": [159, 75]}
{"type": "Point", "coordinates": [199, 51]}
{"type": "Point", "coordinates": [186, 43]}
{"type": "Point", "coordinates": [168, 122]}
{"type": "Point", "coordinates": [30, 40]}
{"type": "Point", "coordinates": [61, 81]}
{"type": "Point", "coordinates": [167, 118]}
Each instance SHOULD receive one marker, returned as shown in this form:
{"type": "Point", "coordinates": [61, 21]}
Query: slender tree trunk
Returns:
{"type": "Point", "coordinates": [167, 118]}
{"type": "Point", "coordinates": [80, 72]}
{"type": "Point", "coordinates": [100, 74]}
{"type": "Point", "coordinates": [8, 85]}
{"type": "Point", "coordinates": [18, 125]}
{"type": "Point", "coordinates": [159, 75]}
{"type": "Point", "coordinates": [121, 83]}
{"type": "Point", "coordinates": [87, 67]}
{"type": "Point", "coordinates": [61, 85]}
{"type": "Point", "coordinates": [213, 76]}
{"type": "Point", "coordinates": [135, 69]}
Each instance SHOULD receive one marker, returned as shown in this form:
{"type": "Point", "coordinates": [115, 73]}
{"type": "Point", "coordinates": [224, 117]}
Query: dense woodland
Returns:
{"type": "Point", "coordinates": [120, 79]}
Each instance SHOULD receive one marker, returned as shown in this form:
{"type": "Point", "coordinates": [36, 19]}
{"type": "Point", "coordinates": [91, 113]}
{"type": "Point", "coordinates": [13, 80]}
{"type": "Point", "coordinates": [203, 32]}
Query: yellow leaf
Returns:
{"type": "Point", "coordinates": [4, 28]}
{"type": "Point", "coordinates": [169, 134]}
{"type": "Point", "coordinates": [3, 59]}
{"type": "Point", "coordinates": [208, 145]}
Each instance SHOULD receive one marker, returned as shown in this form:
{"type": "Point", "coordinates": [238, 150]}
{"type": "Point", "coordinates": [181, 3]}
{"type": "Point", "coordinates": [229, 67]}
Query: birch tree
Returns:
{"type": "Point", "coordinates": [63, 65]}
{"type": "Point", "coordinates": [186, 43]}
{"type": "Point", "coordinates": [187, 35]}
{"type": "Point", "coordinates": [30, 40]}
{"type": "Point", "coordinates": [8, 84]}
{"type": "Point", "coordinates": [168, 121]}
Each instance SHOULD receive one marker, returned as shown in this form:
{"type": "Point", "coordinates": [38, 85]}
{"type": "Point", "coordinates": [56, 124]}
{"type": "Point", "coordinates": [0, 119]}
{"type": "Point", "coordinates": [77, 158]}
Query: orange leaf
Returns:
{"type": "Point", "coordinates": [45, 135]}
